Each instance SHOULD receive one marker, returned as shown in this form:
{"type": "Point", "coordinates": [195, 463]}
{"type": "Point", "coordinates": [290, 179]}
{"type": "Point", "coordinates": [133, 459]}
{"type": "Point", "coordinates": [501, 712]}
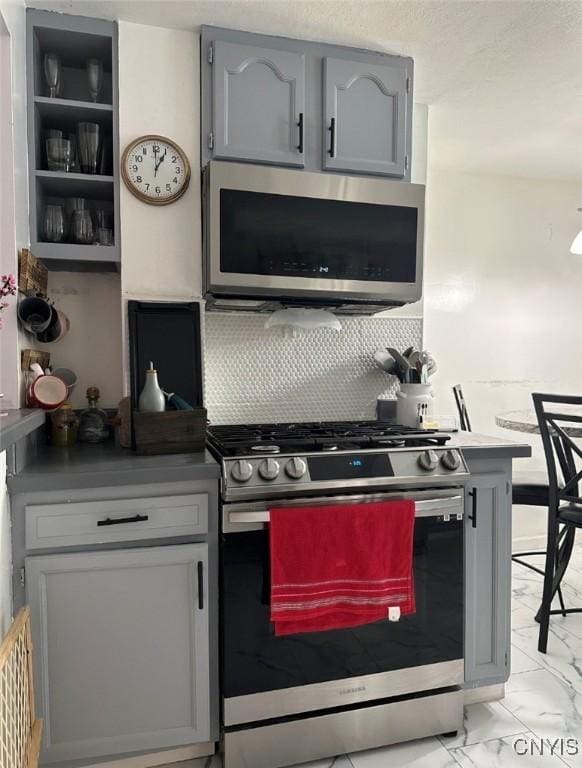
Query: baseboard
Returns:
{"type": "Point", "coordinates": [483, 694]}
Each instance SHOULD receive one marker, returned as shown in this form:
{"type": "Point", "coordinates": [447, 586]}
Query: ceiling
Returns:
{"type": "Point", "coordinates": [504, 79]}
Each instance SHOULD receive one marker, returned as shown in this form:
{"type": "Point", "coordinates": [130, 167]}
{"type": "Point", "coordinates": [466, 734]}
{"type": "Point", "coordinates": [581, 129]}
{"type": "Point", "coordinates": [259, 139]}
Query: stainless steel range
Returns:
{"type": "Point", "coordinates": [290, 699]}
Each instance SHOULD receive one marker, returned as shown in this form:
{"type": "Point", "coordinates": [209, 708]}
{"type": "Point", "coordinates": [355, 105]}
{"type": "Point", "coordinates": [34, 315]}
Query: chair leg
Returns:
{"type": "Point", "coordinates": [561, 599]}
{"type": "Point", "coordinates": [546, 606]}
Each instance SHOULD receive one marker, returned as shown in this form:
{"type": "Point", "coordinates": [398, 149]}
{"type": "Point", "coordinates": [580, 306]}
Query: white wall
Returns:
{"type": "Point", "coordinates": [92, 348]}
{"type": "Point", "coordinates": [15, 218]}
{"type": "Point", "coordinates": [13, 180]}
{"type": "Point", "coordinates": [159, 93]}
{"type": "Point", "coordinates": [502, 299]}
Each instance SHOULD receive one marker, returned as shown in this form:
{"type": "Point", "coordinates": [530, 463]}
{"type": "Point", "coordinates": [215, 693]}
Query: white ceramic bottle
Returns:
{"type": "Point", "coordinates": [151, 399]}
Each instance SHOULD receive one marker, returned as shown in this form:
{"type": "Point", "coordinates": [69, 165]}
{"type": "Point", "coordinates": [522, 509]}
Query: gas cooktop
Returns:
{"type": "Point", "coordinates": [323, 436]}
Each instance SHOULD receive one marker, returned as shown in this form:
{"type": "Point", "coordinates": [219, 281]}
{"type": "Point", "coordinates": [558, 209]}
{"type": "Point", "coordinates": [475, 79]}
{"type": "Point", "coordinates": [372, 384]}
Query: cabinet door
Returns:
{"type": "Point", "coordinates": [258, 104]}
{"type": "Point", "coordinates": [122, 651]}
{"type": "Point", "coordinates": [487, 579]}
{"type": "Point", "coordinates": [365, 117]}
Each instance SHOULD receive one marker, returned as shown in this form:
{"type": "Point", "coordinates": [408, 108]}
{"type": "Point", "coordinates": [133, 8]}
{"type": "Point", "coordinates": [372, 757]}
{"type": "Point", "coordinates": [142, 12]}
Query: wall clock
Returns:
{"type": "Point", "coordinates": [155, 170]}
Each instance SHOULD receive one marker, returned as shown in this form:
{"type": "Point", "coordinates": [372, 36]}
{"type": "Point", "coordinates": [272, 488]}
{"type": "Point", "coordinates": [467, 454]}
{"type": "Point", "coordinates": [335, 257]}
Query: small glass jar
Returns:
{"type": "Point", "coordinates": [64, 425]}
{"type": "Point", "coordinates": [93, 427]}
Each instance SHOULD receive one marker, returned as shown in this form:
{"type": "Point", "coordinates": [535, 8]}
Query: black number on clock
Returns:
{"type": "Point", "coordinates": [147, 186]}
{"type": "Point", "coordinates": [175, 180]}
{"type": "Point", "coordinates": [138, 179]}
{"type": "Point", "coordinates": [177, 169]}
{"type": "Point", "coordinates": [156, 148]}
{"type": "Point", "coordinates": [144, 150]}
{"type": "Point", "coordinates": [158, 190]}
{"type": "Point", "coordinates": [138, 159]}
{"type": "Point", "coordinates": [134, 167]}
{"type": "Point", "coordinates": [168, 187]}
{"type": "Point", "coordinates": [174, 159]}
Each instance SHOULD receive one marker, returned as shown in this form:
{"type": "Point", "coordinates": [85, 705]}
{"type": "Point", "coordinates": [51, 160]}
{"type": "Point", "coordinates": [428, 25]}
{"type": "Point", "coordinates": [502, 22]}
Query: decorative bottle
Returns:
{"type": "Point", "coordinates": [152, 399]}
{"type": "Point", "coordinates": [93, 426]}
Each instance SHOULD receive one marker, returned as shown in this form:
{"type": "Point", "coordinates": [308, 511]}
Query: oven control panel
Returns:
{"type": "Point", "coordinates": [345, 468]}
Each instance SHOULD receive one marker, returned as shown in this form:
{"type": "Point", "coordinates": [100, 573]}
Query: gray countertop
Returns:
{"type": "Point", "coordinates": [90, 466]}
{"type": "Point", "coordinates": [484, 446]}
{"type": "Point", "coordinates": [86, 466]}
{"type": "Point", "coordinates": [17, 423]}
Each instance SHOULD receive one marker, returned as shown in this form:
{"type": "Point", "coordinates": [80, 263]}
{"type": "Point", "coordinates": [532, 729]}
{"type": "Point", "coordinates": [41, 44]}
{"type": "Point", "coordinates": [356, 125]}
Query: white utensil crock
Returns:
{"type": "Point", "coordinates": [408, 399]}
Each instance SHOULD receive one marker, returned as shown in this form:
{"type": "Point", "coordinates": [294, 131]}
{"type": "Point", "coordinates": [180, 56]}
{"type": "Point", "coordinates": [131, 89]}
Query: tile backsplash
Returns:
{"type": "Point", "coordinates": [257, 374]}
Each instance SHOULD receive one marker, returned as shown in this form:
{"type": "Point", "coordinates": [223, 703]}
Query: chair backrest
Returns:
{"type": "Point", "coordinates": [462, 408]}
{"type": "Point", "coordinates": [560, 422]}
{"type": "Point", "coordinates": [20, 731]}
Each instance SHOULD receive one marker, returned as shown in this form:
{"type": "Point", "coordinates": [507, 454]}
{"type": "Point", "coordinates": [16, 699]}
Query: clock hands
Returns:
{"type": "Point", "coordinates": [160, 161]}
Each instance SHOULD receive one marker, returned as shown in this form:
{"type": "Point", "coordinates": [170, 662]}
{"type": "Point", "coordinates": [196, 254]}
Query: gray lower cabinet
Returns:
{"type": "Point", "coordinates": [487, 578]}
{"type": "Point", "coordinates": [365, 117]}
{"type": "Point", "coordinates": [258, 104]}
{"type": "Point", "coordinates": [122, 649]}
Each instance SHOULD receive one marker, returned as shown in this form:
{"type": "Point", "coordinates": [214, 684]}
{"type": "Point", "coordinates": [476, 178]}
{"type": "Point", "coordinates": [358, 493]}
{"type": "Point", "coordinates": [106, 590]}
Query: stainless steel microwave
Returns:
{"type": "Point", "coordinates": [280, 237]}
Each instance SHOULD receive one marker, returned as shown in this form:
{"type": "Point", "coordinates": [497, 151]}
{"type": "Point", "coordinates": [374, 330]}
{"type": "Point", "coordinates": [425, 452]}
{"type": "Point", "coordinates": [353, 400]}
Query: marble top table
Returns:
{"type": "Point", "coordinates": [526, 421]}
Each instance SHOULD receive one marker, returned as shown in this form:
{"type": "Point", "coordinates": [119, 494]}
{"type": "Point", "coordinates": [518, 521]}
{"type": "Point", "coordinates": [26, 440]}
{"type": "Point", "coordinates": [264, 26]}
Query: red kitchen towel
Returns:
{"type": "Point", "coordinates": [340, 566]}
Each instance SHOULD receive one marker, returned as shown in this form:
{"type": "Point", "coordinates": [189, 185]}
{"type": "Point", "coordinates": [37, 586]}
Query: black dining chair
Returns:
{"type": "Point", "coordinates": [563, 459]}
{"type": "Point", "coordinates": [528, 488]}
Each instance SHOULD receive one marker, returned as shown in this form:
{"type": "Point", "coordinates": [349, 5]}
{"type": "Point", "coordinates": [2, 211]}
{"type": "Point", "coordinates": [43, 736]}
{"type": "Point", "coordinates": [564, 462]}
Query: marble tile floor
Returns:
{"type": "Point", "coordinates": [538, 723]}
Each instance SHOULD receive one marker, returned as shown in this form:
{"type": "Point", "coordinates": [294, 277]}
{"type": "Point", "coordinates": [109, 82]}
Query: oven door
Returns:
{"type": "Point", "coordinates": [264, 676]}
{"type": "Point", "coordinates": [283, 234]}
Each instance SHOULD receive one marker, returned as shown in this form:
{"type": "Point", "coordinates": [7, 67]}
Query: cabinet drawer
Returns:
{"type": "Point", "coordinates": [99, 522]}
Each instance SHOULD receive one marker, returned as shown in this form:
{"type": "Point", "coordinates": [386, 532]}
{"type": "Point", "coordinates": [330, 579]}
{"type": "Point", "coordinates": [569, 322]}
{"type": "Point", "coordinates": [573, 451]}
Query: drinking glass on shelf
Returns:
{"type": "Point", "coordinates": [105, 236]}
{"type": "Point", "coordinates": [72, 204]}
{"type": "Point", "coordinates": [88, 144]}
{"type": "Point", "coordinates": [82, 227]}
{"type": "Point", "coordinates": [103, 219]}
{"type": "Point", "coordinates": [52, 73]}
{"type": "Point", "coordinates": [54, 224]}
{"type": "Point", "coordinates": [58, 154]}
{"type": "Point", "coordinates": [94, 77]}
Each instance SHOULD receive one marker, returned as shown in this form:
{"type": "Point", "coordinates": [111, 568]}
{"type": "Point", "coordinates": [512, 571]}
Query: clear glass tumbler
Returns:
{"type": "Point", "coordinates": [88, 145]}
{"type": "Point", "coordinates": [82, 227]}
{"type": "Point", "coordinates": [58, 154]}
{"type": "Point", "coordinates": [54, 224]}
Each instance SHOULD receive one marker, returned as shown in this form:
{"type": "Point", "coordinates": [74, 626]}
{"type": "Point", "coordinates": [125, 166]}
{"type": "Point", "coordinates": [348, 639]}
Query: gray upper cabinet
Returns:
{"type": "Point", "coordinates": [122, 649]}
{"type": "Point", "coordinates": [258, 104]}
{"type": "Point", "coordinates": [268, 99]}
{"type": "Point", "coordinates": [365, 117]}
{"type": "Point", "coordinates": [487, 578]}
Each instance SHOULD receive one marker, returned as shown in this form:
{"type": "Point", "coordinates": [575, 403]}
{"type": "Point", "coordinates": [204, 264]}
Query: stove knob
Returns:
{"type": "Point", "coordinates": [296, 468]}
{"type": "Point", "coordinates": [269, 469]}
{"type": "Point", "coordinates": [241, 471]}
{"type": "Point", "coordinates": [428, 460]}
{"type": "Point", "coordinates": [451, 460]}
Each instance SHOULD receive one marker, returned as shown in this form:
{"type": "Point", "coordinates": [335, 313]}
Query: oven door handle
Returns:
{"type": "Point", "coordinates": [447, 507]}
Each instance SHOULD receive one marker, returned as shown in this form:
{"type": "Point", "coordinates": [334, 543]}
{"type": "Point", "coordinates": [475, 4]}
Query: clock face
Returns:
{"type": "Point", "coordinates": [155, 169]}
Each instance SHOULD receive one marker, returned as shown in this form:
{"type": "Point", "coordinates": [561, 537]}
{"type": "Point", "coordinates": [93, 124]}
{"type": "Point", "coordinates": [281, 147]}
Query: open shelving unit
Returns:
{"type": "Point", "coordinates": [74, 39]}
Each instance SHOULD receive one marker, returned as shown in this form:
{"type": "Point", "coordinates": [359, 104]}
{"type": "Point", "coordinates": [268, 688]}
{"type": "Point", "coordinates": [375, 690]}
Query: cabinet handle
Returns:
{"type": "Point", "coordinates": [123, 520]}
{"type": "Point", "coordinates": [300, 126]}
{"type": "Point", "coordinates": [200, 585]}
{"type": "Point", "coordinates": [332, 138]}
{"type": "Point", "coordinates": [473, 517]}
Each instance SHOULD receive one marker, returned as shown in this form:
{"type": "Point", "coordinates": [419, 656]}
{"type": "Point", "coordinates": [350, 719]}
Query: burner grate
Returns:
{"type": "Point", "coordinates": [240, 439]}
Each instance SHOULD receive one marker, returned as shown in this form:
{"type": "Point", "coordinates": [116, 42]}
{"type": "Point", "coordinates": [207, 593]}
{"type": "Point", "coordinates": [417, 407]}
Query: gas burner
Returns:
{"type": "Point", "coordinates": [265, 449]}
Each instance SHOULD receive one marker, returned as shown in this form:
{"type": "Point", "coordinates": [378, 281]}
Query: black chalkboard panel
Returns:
{"type": "Point", "coordinates": [168, 334]}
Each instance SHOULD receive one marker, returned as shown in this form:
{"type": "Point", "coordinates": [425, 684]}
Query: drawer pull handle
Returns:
{"type": "Point", "coordinates": [200, 585]}
{"type": "Point", "coordinates": [122, 520]}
